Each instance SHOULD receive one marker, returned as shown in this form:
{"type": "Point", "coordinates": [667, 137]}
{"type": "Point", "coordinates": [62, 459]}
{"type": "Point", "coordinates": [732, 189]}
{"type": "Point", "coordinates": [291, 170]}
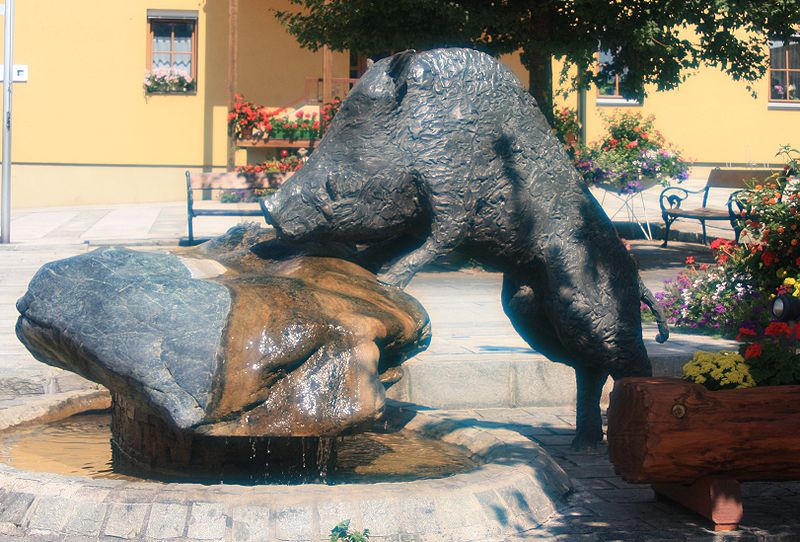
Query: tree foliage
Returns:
{"type": "Point", "coordinates": [654, 42]}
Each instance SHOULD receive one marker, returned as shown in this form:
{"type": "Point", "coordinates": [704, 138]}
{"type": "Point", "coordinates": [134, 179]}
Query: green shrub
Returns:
{"type": "Point", "coordinates": [342, 533]}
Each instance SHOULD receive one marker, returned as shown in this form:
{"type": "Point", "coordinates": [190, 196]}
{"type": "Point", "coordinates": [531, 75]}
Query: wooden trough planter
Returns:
{"type": "Point", "coordinates": [694, 446]}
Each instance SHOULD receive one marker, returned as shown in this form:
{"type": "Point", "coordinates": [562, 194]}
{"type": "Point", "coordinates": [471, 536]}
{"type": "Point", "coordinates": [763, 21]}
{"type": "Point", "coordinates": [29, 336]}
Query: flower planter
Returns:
{"type": "Point", "coordinates": [645, 182]}
{"type": "Point", "coordinates": [695, 445]}
{"type": "Point", "coordinates": [273, 143]}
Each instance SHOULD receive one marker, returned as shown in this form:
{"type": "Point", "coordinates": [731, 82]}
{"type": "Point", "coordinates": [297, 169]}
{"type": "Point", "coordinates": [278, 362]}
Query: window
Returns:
{"type": "Point", "coordinates": [609, 87]}
{"type": "Point", "coordinates": [784, 70]}
{"type": "Point", "coordinates": [358, 65]}
{"type": "Point", "coordinates": [171, 51]}
{"type": "Point", "coordinates": [608, 92]}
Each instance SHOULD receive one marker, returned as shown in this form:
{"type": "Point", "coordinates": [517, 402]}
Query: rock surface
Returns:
{"type": "Point", "coordinates": [238, 337]}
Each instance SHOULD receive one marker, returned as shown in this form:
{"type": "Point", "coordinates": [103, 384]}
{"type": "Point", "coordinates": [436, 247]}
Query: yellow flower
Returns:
{"type": "Point", "coordinates": [721, 370]}
{"type": "Point", "coordinates": [789, 281]}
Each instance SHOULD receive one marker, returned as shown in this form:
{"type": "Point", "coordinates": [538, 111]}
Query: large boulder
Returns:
{"type": "Point", "coordinates": [239, 337]}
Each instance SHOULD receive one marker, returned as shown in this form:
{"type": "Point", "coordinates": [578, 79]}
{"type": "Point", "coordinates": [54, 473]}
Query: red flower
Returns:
{"type": "Point", "coordinates": [776, 329]}
{"type": "Point", "coordinates": [752, 351]}
{"type": "Point", "coordinates": [284, 153]}
{"type": "Point", "coordinates": [689, 260]}
{"type": "Point", "coordinates": [747, 331]}
{"type": "Point", "coordinates": [718, 242]}
{"type": "Point", "coordinates": [768, 258]}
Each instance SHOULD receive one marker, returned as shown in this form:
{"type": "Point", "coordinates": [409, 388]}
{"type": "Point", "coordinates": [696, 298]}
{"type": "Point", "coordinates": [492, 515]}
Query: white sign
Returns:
{"type": "Point", "coordinates": [20, 73]}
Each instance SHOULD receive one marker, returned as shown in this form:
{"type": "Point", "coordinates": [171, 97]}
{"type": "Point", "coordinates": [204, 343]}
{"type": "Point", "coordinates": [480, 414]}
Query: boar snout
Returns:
{"type": "Point", "coordinates": [297, 214]}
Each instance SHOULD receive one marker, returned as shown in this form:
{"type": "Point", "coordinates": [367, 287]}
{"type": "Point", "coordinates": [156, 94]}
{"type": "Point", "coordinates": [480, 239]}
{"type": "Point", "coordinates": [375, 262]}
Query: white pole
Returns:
{"type": "Point", "coordinates": [8, 75]}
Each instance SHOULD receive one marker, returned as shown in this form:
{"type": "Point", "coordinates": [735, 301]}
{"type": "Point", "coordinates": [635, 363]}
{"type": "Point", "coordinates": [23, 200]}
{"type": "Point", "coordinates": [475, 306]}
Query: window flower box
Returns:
{"type": "Point", "coordinates": [169, 81]}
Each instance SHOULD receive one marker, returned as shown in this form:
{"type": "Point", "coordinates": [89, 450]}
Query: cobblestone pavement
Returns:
{"type": "Point", "coordinates": [604, 508]}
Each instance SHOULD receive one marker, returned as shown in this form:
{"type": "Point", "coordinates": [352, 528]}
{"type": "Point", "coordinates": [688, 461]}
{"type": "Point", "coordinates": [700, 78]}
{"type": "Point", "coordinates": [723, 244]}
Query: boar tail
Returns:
{"type": "Point", "coordinates": [649, 300]}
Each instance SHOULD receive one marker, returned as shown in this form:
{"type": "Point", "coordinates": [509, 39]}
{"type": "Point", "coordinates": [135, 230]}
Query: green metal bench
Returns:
{"type": "Point", "coordinates": [220, 182]}
{"type": "Point", "coordinates": [672, 200]}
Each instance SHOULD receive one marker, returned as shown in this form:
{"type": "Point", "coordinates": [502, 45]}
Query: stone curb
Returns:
{"type": "Point", "coordinates": [52, 407]}
{"type": "Point", "coordinates": [509, 380]}
{"type": "Point", "coordinates": [516, 488]}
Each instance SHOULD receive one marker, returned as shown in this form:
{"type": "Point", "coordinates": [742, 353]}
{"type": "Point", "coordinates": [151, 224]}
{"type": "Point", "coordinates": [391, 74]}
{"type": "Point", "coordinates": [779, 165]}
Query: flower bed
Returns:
{"type": "Point", "coordinates": [695, 445]}
{"type": "Point", "coordinates": [732, 294]}
{"type": "Point", "coordinates": [715, 298]}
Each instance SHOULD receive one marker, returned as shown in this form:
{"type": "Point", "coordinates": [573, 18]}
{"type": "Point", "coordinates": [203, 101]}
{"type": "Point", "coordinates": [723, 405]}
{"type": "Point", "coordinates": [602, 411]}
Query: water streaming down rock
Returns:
{"type": "Point", "coordinates": [223, 353]}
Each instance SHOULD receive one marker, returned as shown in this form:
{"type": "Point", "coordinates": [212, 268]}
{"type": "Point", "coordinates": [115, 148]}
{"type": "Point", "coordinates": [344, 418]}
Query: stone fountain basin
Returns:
{"type": "Point", "coordinates": [516, 487]}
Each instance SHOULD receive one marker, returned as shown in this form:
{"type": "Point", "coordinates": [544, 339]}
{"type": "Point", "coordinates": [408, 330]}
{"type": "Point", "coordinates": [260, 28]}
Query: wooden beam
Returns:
{"type": "Point", "coordinates": [233, 69]}
{"type": "Point", "coordinates": [667, 430]}
{"type": "Point", "coordinates": [718, 499]}
{"type": "Point", "coordinates": [327, 74]}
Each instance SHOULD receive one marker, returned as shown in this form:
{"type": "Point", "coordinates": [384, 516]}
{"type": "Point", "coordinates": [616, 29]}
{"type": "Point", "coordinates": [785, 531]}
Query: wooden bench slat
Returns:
{"type": "Point", "coordinates": [227, 181]}
{"type": "Point", "coordinates": [736, 178]}
{"type": "Point", "coordinates": [706, 213]}
{"type": "Point", "coordinates": [226, 212]}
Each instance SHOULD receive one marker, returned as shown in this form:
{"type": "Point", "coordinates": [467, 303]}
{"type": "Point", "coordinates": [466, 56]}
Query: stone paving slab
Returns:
{"type": "Point", "coordinates": [603, 507]}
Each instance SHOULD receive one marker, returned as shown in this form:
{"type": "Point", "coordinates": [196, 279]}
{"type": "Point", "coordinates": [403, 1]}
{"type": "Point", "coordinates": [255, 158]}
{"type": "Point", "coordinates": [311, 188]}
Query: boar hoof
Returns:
{"type": "Point", "coordinates": [584, 442]}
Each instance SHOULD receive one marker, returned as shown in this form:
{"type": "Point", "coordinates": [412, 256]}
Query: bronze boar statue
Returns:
{"type": "Point", "coordinates": [443, 150]}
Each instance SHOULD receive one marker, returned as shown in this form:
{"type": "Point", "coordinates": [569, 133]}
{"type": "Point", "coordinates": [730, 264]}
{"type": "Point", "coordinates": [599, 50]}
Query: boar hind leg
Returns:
{"type": "Point", "coordinates": [526, 312]}
{"type": "Point", "coordinates": [589, 424]}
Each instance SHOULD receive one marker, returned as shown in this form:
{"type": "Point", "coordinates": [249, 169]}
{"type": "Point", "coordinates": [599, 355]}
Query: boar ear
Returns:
{"type": "Point", "coordinates": [398, 71]}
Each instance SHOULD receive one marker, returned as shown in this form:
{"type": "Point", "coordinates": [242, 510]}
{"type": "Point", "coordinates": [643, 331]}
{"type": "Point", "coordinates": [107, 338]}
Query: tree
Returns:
{"type": "Point", "coordinates": [653, 42]}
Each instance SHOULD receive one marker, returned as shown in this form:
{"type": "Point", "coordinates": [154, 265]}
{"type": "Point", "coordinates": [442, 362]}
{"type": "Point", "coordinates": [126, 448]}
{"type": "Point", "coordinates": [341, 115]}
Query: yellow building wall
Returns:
{"type": "Point", "coordinates": [85, 131]}
{"type": "Point", "coordinates": [272, 66]}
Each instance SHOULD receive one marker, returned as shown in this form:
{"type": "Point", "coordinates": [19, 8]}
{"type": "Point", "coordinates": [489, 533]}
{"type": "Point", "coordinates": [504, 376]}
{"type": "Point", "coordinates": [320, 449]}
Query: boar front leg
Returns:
{"type": "Point", "coordinates": [447, 230]}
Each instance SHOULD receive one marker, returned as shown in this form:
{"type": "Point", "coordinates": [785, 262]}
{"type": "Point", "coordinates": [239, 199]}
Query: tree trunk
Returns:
{"type": "Point", "coordinates": [670, 430]}
{"type": "Point", "coordinates": [540, 80]}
